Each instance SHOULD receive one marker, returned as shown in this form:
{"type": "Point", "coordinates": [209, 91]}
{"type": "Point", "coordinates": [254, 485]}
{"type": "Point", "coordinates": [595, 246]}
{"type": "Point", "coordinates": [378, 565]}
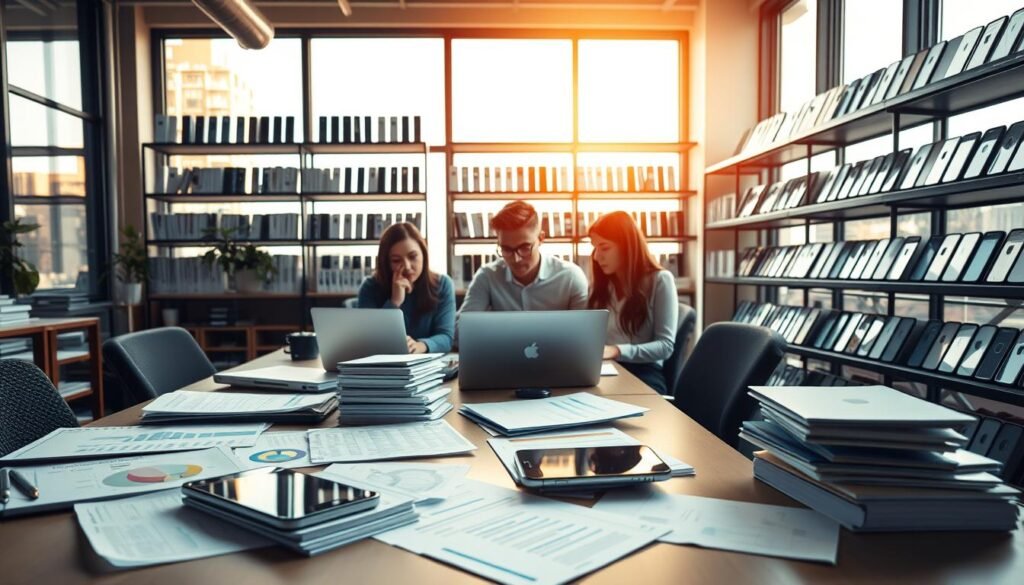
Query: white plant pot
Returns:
{"type": "Point", "coordinates": [131, 293]}
{"type": "Point", "coordinates": [247, 281]}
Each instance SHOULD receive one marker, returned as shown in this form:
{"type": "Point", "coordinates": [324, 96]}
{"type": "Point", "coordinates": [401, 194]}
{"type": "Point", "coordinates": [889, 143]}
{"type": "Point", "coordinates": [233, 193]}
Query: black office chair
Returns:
{"type": "Point", "coordinates": [684, 333]}
{"type": "Point", "coordinates": [728, 357]}
{"type": "Point", "coordinates": [156, 361]}
{"type": "Point", "coordinates": [30, 407]}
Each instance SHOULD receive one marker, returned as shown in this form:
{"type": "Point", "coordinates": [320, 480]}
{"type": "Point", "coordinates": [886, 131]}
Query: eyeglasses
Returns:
{"type": "Point", "coordinates": [523, 251]}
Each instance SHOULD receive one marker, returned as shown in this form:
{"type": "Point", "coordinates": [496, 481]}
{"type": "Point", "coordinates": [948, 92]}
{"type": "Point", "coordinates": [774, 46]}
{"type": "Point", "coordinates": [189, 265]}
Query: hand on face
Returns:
{"type": "Point", "coordinates": [400, 286]}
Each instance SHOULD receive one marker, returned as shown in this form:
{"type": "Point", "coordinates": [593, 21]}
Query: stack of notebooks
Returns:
{"type": "Point", "coordinates": [877, 459]}
{"type": "Point", "coordinates": [525, 417]}
{"type": "Point", "coordinates": [308, 538]}
{"type": "Point", "coordinates": [385, 389]}
{"type": "Point", "coordinates": [12, 313]}
{"type": "Point", "coordinates": [186, 406]}
{"type": "Point", "coordinates": [57, 303]}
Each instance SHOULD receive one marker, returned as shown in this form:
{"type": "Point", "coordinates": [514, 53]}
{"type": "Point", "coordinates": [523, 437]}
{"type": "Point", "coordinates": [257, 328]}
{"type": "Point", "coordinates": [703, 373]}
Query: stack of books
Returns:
{"type": "Point", "coordinates": [14, 347]}
{"type": "Point", "coordinates": [385, 389]}
{"type": "Point", "coordinates": [12, 313]}
{"type": "Point", "coordinates": [876, 459]}
{"type": "Point", "coordinates": [57, 303]}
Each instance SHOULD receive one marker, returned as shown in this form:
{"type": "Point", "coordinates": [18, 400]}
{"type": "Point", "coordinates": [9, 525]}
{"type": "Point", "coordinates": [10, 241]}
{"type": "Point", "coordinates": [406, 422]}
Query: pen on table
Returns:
{"type": "Point", "coordinates": [5, 487]}
{"type": "Point", "coordinates": [24, 486]}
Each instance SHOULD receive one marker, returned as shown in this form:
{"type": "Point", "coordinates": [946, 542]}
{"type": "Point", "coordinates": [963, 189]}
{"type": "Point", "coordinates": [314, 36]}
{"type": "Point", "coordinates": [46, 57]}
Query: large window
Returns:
{"type": "Point", "coordinates": [797, 52]}
{"type": "Point", "coordinates": [54, 128]}
{"type": "Point", "coordinates": [872, 36]}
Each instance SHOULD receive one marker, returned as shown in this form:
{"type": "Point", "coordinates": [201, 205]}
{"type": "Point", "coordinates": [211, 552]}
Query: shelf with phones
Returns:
{"type": "Point", "coordinates": [983, 66]}
{"type": "Point", "coordinates": [301, 199]}
{"type": "Point", "coordinates": [979, 360]}
{"type": "Point", "coordinates": [971, 264]}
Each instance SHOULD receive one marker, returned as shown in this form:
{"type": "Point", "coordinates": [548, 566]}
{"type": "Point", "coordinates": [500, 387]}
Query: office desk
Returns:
{"type": "Point", "coordinates": [50, 548]}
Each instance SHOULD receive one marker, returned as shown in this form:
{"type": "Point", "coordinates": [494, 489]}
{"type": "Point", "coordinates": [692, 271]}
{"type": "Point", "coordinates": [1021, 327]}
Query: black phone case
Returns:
{"type": "Point", "coordinates": [976, 350]}
{"type": "Point", "coordinates": [957, 349]}
{"type": "Point", "coordinates": [924, 344]}
{"type": "Point", "coordinates": [1009, 373]}
{"type": "Point", "coordinates": [940, 345]}
{"type": "Point", "coordinates": [996, 354]}
{"type": "Point", "coordinates": [983, 155]}
{"type": "Point", "coordinates": [899, 344]}
{"type": "Point", "coordinates": [985, 436]}
{"type": "Point", "coordinates": [958, 262]}
{"type": "Point", "coordinates": [926, 254]}
{"type": "Point", "coordinates": [983, 256]}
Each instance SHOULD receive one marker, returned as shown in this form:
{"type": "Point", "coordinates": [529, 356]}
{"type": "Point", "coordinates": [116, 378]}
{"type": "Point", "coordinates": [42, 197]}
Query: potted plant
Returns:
{"type": "Point", "coordinates": [22, 272]}
{"type": "Point", "coordinates": [247, 265]}
{"type": "Point", "coordinates": [132, 265]}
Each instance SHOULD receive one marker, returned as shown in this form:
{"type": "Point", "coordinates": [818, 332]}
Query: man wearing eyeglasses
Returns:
{"type": "Point", "coordinates": [523, 279]}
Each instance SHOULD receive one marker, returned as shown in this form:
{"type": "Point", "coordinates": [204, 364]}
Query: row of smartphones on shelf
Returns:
{"type": "Point", "coordinates": [981, 352]}
{"type": "Point", "coordinates": [991, 258]}
{"type": "Point", "coordinates": [1000, 39]}
{"type": "Point", "coordinates": [953, 159]}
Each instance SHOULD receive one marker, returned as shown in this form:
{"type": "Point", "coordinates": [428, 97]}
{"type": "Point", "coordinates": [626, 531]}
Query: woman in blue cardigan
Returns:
{"type": "Point", "coordinates": [403, 280]}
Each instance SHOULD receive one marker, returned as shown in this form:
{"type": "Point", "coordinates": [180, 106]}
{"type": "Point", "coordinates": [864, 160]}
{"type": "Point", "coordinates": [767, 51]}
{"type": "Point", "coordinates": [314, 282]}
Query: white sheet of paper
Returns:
{"type": "Point", "coordinates": [422, 482]}
{"type": "Point", "coordinates": [608, 369]}
{"type": "Point", "coordinates": [157, 528]}
{"type": "Point", "coordinates": [64, 484]}
{"type": "Point", "coordinates": [187, 402]}
{"type": "Point", "coordinates": [380, 442]}
{"type": "Point", "coordinates": [506, 449]}
{"type": "Point", "coordinates": [106, 441]}
{"type": "Point", "coordinates": [518, 539]}
{"type": "Point", "coordinates": [285, 449]}
{"type": "Point", "coordinates": [777, 531]}
{"type": "Point", "coordinates": [577, 409]}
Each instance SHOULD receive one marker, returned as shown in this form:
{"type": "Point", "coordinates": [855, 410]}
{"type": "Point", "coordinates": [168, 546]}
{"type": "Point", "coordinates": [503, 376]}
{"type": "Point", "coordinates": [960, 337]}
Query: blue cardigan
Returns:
{"type": "Point", "coordinates": [435, 329]}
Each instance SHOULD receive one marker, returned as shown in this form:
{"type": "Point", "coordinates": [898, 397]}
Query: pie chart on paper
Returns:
{"type": "Point", "coordinates": [277, 455]}
{"type": "Point", "coordinates": [152, 474]}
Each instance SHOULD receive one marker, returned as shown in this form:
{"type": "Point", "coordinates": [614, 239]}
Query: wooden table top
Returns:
{"type": "Point", "coordinates": [50, 548]}
{"type": "Point", "coordinates": [37, 324]}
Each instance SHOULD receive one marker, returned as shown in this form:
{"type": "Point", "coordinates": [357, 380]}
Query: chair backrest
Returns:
{"type": "Point", "coordinates": [30, 407]}
{"type": "Point", "coordinates": [728, 357]}
{"type": "Point", "coordinates": [156, 361]}
{"type": "Point", "coordinates": [684, 333]}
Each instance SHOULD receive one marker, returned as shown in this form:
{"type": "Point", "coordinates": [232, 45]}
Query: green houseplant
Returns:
{"type": "Point", "coordinates": [132, 265]}
{"type": "Point", "coordinates": [247, 265]}
{"type": "Point", "coordinates": [21, 271]}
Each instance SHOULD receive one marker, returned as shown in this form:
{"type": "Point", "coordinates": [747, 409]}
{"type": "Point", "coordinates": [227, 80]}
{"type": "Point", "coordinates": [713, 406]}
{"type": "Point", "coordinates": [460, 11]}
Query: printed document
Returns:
{"type": "Point", "coordinates": [157, 528]}
{"type": "Point", "coordinates": [519, 417]}
{"type": "Point", "coordinates": [777, 531]}
{"type": "Point", "coordinates": [96, 442]}
{"type": "Point", "coordinates": [208, 403]}
{"type": "Point", "coordinates": [519, 539]}
{"type": "Point", "coordinates": [398, 441]}
{"type": "Point", "coordinates": [420, 482]}
{"type": "Point", "coordinates": [62, 485]}
{"type": "Point", "coordinates": [287, 449]}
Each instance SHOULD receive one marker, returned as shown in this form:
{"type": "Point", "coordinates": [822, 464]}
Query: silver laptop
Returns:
{"type": "Point", "coordinates": [348, 334]}
{"type": "Point", "coordinates": [287, 377]}
{"type": "Point", "coordinates": [531, 349]}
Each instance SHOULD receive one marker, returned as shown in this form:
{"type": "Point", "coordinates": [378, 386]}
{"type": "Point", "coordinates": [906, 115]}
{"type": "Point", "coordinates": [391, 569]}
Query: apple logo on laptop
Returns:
{"type": "Point", "coordinates": [531, 351]}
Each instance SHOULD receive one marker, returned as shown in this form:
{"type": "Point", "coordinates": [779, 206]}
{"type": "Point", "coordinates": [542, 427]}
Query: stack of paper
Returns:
{"type": "Point", "coordinates": [351, 444]}
{"type": "Point", "coordinates": [390, 513]}
{"type": "Point", "coordinates": [536, 416]}
{"type": "Point", "coordinates": [189, 406]}
{"type": "Point", "coordinates": [506, 449]}
{"type": "Point", "coordinates": [875, 458]}
{"type": "Point", "coordinates": [392, 389]}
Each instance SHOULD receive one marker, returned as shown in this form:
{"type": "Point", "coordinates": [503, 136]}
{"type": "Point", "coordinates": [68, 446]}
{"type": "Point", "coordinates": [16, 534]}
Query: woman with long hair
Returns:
{"type": "Point", "coordinates": [640, 295]}
{"type": "Point", "coordinates": [403, 280]}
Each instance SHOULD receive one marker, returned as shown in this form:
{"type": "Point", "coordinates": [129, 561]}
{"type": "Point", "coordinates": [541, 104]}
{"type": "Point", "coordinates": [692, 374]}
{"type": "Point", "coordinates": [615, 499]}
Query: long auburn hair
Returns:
{"type": "Point", "coordinates": [426, 285]}
{"type": "Point", "coordinates": [634, 276]}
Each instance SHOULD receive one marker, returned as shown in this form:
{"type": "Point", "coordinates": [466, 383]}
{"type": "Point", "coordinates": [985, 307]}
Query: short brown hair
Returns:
{"type": "Point", "coordinates": [515, 215]}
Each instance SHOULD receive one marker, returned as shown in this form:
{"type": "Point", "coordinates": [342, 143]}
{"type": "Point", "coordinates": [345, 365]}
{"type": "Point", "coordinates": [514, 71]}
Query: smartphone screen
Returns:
{"type": "Point", "coordinates": [941, 346]}
{"type": "Point", "coordinates": [964, 250]}
{"type": "Point", "coordinates": [590, 462]}
{"type": "Point", "coordinates": [976, 349]}
{"type": "Point", "coordinates": [978, 264]}
{"type": "Point", "coordinates": [1010, 371]}
{"type": "Point", "coordinates": [1007, 256]}
{"type": "Point", "coordinates": [996, 353]}
{"type": "Point", "coordinates": [957, 349]}
{"type": "Point", "coordinates": [942, 257]}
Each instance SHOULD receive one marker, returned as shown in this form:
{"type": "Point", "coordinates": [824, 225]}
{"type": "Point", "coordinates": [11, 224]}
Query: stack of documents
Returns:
{"type": "Point", "coordinates": [384, 389]}
{"type": "Point", "coordinates": [390, 513]}
{"type": "Point", "coordinates": [190, 406]}
{"type": "Point", "coordinates": [875, 458]}
{"type": "Point", "coordinates": [536, 416]}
